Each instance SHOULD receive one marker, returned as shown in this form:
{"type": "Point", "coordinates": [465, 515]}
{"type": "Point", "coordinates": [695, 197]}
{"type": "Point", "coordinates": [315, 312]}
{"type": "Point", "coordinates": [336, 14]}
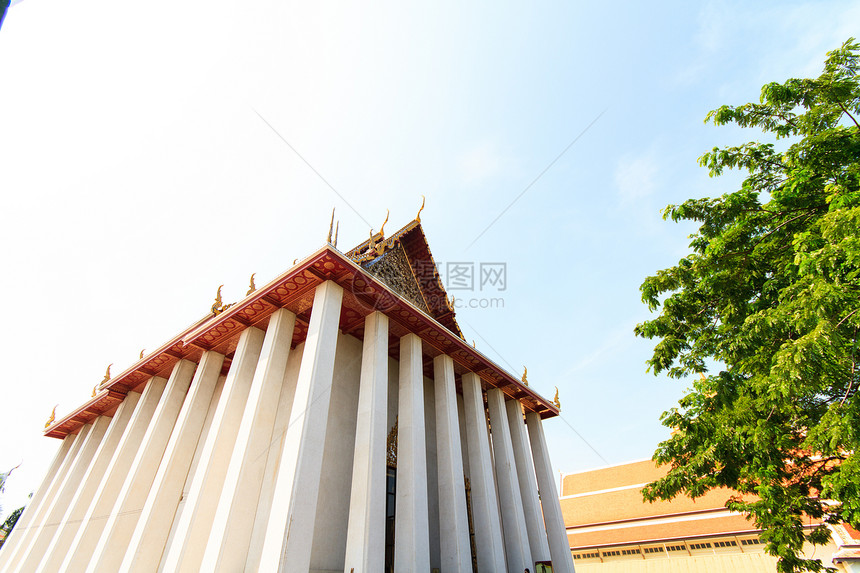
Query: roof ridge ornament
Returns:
{"type": "Point", "coordinates": [52, 418]}
{"type": "Point", "coordinates": [218, 306]}
{"type": "Point", "coordinates": [382, 228]}
{"type": "Point", "coordinates": [330, 227]}
{"type": "Point", "coordinates": [525, 377]}
{"type": "Point", "coordinates": [107, 374]}
{"type": "Point", "coordinates": [336, 229]}
{"type": "Point", "coordinates": [252, 287]}
{"type": "Point", "coordinates": [555, 401]}
{"type": "Point", "coordinates": [418, 215]}
{"type": "Point", "coordinates": [142, 350]}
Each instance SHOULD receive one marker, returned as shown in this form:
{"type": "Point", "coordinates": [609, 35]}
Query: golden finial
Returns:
{"type": "Point", "coordinates": [330, 227]}
{"type": "Point", "coordinates": [95, 389]}
{"type": "Point", "coordinates": [473, 343]}
{"type": "Point", "coordinates": [216, 306]}
{"type": "Point", "coordinates": [336, 229]}
{"type": "Point", "coordinates": [525, 376]}
{"type": "Point", "coordinates": [555, 401]}
{"type": "Point", "coordinates": [703, 377]}
{"type": "Point", "coordinates": [372, 245]}
{"type": "Point", "coordinates": [142, 350]}
{"type": "Point", "coordinates": [418, 216]}
{"type": "Point", "coordinates": [382, 229]}
{"type": "Point", "coordinates": [107, 373]}
{"type": "Point", "coordinates": [450, 302]}
{"type": "Point", "coordinates": [295, 261]}
{"type": "Point", "coordinates": [52, 418]}
{"type": "Point", "coordinates": [252, 287]}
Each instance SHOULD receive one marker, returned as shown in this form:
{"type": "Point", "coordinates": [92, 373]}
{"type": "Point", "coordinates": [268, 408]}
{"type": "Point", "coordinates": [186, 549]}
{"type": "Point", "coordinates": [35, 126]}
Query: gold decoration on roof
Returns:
{"type": "Point", "coordinates": [391, 446]}
{"type": "Point", "coordinates": [218, 306]}
{"type": "Point", "coordinates": [142, 350]}
{"type": "Point", "coordinates": [52, 418]}
{"type": "Point", "coordinates": [107, 374]}
{"type": "Point", "coordinates": [382, 228]}
{"type": "Point", "coordinates": [418, 216]}
{"type": "Point", "coordinates": [251, 287]}
{"type": "Point", "coordinates": [473, 343]}
{"type": "Point", "coordinates": [330, 227]}
{"type": "Point", "coordinates": [555, 401]}
{"type": "Point", "coordinates": [450, 302]}
{"type": "Point", "coordinates": [336, 229]}
{"type": "Point", "coordinates": [95, 391]}
{"type": "Point", "coordinates": [525, 376]}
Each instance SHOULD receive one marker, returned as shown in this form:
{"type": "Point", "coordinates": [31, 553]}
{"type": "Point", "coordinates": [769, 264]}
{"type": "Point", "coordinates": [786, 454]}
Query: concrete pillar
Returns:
{"type": "Point", "coordinates": [121, 522]}
{"type": "Point", "coordinates": [39, 511]}
{"type": "Point", "coordinates": [192, 531]}
{"type": "Point", "coordinates": [528, 486]}
{"type": "Point", "coordinates": [562, 561]}
{"type": "Point", "coordinates": [92, 525]}
{"type": "Point", "coordinates": [69, 524]}
{"type": "Point", "coordinates": [485, 509]}
{"type": "Point", "coordinates": [510, 499]}
{"type": "Point", "coordinates": [150, 535]}
{"type": "Point", "coordinates": [273, 458]}
{"type": "Point", "coordinates": [365, 544]}
{"type": "Point", "coordinates": [94, 432]}
{"type": "Point", "coordinates": [234, 519]}
{"type": "Point", "coordinates": [13, 541]}
{"type": "Point", "coordinates": [453, 517]}
{"type": "Point", "coordinates": [289, 534]}
{"type": "Point", "coordinates": [411, 522]}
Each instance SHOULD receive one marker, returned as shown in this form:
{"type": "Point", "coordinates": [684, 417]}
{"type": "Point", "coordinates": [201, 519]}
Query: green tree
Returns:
{"type": "Point", "coordinates": [771, 294]}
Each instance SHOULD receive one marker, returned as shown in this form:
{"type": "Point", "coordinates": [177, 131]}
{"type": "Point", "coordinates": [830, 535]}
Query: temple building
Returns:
{"type": "Point", "coordinates": [611, 529]}
{"type": "Point", "coordinates": [332, 420]}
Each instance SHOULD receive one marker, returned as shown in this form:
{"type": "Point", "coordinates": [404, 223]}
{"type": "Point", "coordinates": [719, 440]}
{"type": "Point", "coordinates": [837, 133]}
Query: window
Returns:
{"type": "Point", "coordinates": [676, 548]}
{"type": "Point", "coordinates": [653, 550]}
{"type": "Point", "coordinates": [700, 546]}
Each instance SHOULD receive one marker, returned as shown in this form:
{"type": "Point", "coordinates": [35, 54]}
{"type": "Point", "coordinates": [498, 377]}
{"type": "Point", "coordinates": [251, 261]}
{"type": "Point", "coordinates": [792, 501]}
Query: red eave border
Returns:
{"type": "Point", "coordinates": [294, 290]}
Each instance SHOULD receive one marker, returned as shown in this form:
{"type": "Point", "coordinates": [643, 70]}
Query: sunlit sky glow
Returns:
{"type": "Point", "coordinates": [137, 175]}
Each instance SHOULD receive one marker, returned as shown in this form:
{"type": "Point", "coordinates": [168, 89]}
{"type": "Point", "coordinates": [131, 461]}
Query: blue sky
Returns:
{"type": "Point", "coordinates": [136, 175]}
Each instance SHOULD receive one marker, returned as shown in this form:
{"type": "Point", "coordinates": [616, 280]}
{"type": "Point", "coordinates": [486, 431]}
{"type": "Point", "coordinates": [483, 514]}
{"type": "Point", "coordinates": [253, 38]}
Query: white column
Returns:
{"type": "Point", "coordinates": [365, 543]}
{"type": "Point", "coordinates": [192, 531]}
{"type": "Point", "coordinates": [120, 525]}
{"type": "Point", "coordinates": [453, 517]}
{"type": "Point", "coordinates": [528, 486]}
{"type": "Point", "coordinates": [234, 519]}
{"type": "Point", "coordinates": [562, 561]}
{"type": "Point", "coordinates": [38, 511]}
{"type": "Point", "coordinates": [70, 522]}
{"type": "Point", "coordinates": [513, 520]}
{"type": "Point", "coordinates": [411, 522]}
{"type": "Point", "coordinates": [150, 535]}
{"type": "Point", "coordinates": [273, 459]}
{"type": "Point", "coordinates": [14, 539]}
{"type": "Point", "coordinates": [289, 534]}
{"type": "Point", "coordinates": [92, 434]}
{"type": "Point", "coordinates": [92, 524]}
{"type": "Point", "coordinates": [485, 508]}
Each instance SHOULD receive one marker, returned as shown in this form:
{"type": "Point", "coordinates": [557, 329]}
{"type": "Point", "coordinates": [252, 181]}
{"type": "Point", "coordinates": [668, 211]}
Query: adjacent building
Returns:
{"type": "Point", "coordinates": [332, 420]}
{"type": "Point", "coordinates": [611, 529]}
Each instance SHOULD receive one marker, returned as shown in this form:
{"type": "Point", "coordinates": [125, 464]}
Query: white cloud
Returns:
{"type": "Point", "coordinates": [480, 162]}
{"type": "Point", "coordinates": [636, 177]}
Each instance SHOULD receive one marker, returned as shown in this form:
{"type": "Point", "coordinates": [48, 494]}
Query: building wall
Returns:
{"type": "Point", "coordinates": [610, 528]}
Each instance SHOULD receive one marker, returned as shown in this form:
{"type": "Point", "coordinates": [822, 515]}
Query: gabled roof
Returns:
{"type": "Point", "coordinates": [381, 257]}
{"type": "Point", "coordinates": [364, 293]}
